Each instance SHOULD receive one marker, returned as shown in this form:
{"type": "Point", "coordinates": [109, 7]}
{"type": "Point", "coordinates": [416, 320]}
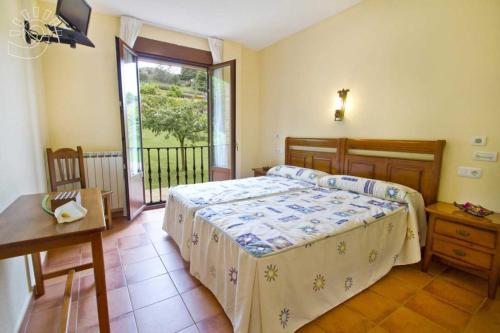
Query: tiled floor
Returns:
{"type": "Point", "coordinates": [150, 290]}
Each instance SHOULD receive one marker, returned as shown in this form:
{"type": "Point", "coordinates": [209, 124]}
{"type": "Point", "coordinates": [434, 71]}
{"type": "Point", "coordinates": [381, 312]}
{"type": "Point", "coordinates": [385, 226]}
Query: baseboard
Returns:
{"type": "Point", "coordinates": [28, 308]}
{"type": "Point", "coordinates": [117, 212]}
{"type": "Point", "coordinates": [23, 326]}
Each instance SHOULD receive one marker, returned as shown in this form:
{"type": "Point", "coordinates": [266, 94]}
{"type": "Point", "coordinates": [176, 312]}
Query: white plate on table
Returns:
{"type": "Point", "coordinates": [70, 212]}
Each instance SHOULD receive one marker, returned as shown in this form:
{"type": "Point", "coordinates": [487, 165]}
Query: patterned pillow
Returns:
{"type": "Point", "coordinates": [375, 188]}
{"type": "Point", "coordinates": [293, 172]}
{"type": "Point", "coordinates": [383, 190]}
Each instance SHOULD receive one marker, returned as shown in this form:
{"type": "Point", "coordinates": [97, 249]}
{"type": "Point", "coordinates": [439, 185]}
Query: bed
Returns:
{"type": "Point", "coordinates": [185, 200]}
{"type": "Point", "coordinates": [277, 262]}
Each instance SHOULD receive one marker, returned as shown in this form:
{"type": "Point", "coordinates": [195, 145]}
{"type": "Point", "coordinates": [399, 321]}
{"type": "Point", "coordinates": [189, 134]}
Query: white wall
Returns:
{"type": "Point", "coordinates": [22, 139]}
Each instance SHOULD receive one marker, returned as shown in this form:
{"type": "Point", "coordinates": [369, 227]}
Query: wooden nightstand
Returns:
{"type": "Point", "coordinates": [257, 172]}
{"type": "Point", "coordinates": [465, 241]}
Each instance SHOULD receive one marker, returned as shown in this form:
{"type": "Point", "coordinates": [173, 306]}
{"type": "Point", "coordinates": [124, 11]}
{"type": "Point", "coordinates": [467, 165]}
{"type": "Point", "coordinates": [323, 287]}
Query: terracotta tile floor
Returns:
{"type": "Point", "coordinates": [150, 290]}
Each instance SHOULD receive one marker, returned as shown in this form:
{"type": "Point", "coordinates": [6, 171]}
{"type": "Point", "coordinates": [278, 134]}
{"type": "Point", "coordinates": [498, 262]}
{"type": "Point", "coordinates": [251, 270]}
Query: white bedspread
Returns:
{"type": "Point", "coordinates": [185, 200]}
{"type": "Point", "coordinates": [278, 262]}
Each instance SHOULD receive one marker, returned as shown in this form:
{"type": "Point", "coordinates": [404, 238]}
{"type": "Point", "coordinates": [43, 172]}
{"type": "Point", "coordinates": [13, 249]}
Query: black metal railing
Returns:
{"type": "Point", "coordinates": [170, 166]}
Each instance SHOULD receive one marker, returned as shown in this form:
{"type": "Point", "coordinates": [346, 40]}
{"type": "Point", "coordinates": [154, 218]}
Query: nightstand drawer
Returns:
{"type": "Point", "coordinates": [462, 253]}
{"type": "Point", "coordinates": [466, 233]}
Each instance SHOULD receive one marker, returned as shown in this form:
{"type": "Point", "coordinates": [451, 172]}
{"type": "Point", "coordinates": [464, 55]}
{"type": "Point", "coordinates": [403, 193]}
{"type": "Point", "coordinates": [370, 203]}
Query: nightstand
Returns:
{"type": "Point", "coordinates": [257, 172]}
{"type": "Point", "coordinates": [464, 241]}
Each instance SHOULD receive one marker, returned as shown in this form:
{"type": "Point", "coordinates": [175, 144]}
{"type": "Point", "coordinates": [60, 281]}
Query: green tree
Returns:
{"type": "Point", "coordinates": [158, 74]}
{"type": "Point", "coordinates": [200, 81]}
{"type": "Point", "coordinates": [183, 118]}
{"type": "Point", "coordinates": [187, 74]}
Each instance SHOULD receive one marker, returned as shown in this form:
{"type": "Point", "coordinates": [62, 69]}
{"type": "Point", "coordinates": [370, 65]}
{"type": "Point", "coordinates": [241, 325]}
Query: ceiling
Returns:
{"type": "Point", "coordinates": [254, 23]}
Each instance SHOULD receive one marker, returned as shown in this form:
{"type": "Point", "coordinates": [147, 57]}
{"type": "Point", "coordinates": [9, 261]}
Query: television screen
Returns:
{"type": "Point", "coordinates": [75, 13]}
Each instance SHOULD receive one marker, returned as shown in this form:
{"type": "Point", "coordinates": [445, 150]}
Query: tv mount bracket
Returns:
{"type": "Point", "coordinates": [59, 36]}
{"type": "Point", "coordinates": [56, 37]}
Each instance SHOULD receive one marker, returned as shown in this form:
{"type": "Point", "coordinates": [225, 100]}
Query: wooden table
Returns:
{"type": "Point", "coordinates": [27, 229]}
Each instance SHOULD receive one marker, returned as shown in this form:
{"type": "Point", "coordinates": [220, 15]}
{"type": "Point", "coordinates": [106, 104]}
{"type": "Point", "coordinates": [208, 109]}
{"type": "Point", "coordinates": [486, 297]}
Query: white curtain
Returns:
{"type": "Point", "coordinates": [221, 134]}
{"type": "Point", "coordinates": [129, 29]}
{"type": "Point", "coordinates": [216, 49]}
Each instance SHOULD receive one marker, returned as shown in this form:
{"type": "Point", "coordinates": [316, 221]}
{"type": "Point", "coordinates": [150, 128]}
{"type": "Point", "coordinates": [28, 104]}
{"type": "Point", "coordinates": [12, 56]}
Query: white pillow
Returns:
{"type": "Point", "coordinates": [293, 172]}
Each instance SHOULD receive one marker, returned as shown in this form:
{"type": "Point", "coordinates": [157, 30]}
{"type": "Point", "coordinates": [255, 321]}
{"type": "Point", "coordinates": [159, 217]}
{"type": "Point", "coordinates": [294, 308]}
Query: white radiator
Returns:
{"type": "Point", "coordinates": [105, 170]}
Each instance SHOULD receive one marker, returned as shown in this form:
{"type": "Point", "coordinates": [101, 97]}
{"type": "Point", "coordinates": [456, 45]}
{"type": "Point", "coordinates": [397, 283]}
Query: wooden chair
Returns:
{"type": "Point", "coordinates": [63, 166]}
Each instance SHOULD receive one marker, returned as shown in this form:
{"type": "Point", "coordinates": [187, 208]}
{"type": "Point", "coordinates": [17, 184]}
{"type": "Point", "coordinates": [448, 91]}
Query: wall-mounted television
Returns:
{"type": "Point", "coordinates": [75, 14]}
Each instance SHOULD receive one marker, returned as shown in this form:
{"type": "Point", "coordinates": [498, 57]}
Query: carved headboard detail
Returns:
{"type": "Point", "coordinates": [414, 163]}
{"type": "Point", "coordinates": [318, 154]}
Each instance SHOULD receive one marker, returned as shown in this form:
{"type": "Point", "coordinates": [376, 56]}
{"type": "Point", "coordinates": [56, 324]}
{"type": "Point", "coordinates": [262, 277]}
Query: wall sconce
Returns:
{"type": "Point", "coordinates": [339, 113]}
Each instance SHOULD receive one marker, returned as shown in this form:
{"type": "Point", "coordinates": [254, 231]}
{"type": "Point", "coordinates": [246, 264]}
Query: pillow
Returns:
{"type": "Point", "coordinates": [375, 188]}
{"type": "Point", "coordinates": [293, 172]}
{"type": "Point", "coordinates": [384, 190]}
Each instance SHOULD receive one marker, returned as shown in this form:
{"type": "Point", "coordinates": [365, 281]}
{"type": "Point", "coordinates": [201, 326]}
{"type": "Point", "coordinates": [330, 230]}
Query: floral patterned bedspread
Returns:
{"type": "Point", "coordinates": [278, 262]}
{"type": "Point", "coordinates": [273, 224]}
{"type": "Point", "coordinates": [184, 200]}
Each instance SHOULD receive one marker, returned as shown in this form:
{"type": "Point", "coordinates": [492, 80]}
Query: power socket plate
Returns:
{"type": "Point", "coordinates": [470, 172]}
{"type": "Point", "coordinates": [479, 140]}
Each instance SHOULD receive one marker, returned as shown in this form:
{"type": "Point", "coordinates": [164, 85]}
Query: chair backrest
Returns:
{"type": "Point", "coordinates": [63, 166]}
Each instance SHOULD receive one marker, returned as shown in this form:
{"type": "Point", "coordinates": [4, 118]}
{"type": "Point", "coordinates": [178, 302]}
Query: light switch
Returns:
{"type": "Point", "coordinates": [470, 172]}
{"type": "Point", "coordinates": [489, 156]}
{"type": "Point", "coordinates": [479, 140]}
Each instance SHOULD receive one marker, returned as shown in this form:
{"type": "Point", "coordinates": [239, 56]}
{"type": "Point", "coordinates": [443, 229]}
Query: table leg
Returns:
{"type": "Point", "coordinates": [37, 268]}
{"type": "Point", "coordinates": [100, 284]}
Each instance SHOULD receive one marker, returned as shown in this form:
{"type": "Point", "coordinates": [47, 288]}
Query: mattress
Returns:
{"type": "Point", "coordinates": [184, 200]}
{"type": "Point", "coordinates": [278, 262]}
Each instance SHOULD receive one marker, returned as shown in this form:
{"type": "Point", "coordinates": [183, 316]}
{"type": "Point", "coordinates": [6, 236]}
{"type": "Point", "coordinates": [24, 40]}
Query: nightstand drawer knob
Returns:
{"type": "Point", "coordinates": [463, 233]}
{"type": "Point", "coordinates": [459, 252]}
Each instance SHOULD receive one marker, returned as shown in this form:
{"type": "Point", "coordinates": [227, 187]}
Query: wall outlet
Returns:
{"type": "Point", "coordinates": [469, 172]}
{"type": "Point", "coordinates": [479, 140]}
{"type": "Point", "coordinates": [488, 156]}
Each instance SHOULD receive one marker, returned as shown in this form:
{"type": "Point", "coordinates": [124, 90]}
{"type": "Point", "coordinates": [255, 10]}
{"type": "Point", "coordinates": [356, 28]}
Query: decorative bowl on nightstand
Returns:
{"type": "Point", "coordinates": [472, 209]}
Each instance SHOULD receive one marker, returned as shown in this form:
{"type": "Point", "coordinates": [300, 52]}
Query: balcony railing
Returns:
{"type": "Point", "coordinates": [170, 166]}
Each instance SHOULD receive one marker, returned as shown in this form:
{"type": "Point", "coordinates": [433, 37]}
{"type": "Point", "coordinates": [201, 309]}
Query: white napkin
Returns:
{"type": "Point", "coordinates": [69, 212]}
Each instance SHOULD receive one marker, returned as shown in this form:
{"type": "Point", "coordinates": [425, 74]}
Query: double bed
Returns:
{"type": "Point", "coordinates": [276, 261]}
{"type": "Point", "coordinates": [185, 200]}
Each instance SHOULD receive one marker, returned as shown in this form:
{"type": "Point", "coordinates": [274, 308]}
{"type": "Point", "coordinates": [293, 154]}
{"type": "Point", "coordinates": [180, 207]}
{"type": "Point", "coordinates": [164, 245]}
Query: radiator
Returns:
{"type": "Point", "coordinates": [105, 171]}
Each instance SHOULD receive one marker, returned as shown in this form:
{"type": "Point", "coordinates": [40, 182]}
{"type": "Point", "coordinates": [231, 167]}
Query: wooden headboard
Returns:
{"type": "Point", "coordinates": [414, 163]}
{"type": "Point", "coordinates": [318, 154]}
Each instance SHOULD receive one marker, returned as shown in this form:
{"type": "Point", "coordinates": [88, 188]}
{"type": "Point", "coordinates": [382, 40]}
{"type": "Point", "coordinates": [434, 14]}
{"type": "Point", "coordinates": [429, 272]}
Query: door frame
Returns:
{"type": "Point", "coordinates": [232, 65]}
{"type": "Point", "coordinates": [119, 56]}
